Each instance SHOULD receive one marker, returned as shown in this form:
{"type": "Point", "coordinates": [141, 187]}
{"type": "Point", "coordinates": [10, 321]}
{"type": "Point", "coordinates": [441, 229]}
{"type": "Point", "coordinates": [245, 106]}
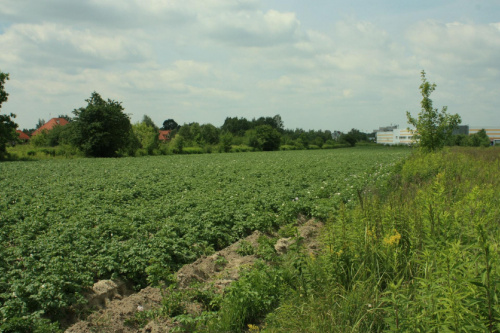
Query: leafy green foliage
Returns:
{"type": "Point", "coordinates": [147, 136]}
{"type": "Point", "coordinates": [479, 139]}
{"type": "Point", "coordinates": [225, 142]}
{"type": "Point", "coordinates": [245, 249]}
{"type": "Point", "coordinates": [433, 128]}
{"type": "Point", "coordinates": [170, 124]}
{"type": "Point", "coordinates": [422, 257]}
{"type": "Point", "coordinates": [101, 128]}
{"type": "Point", "coordinates": [246, 300]}
{"type": "Point", "coordinates": [7, 125]}
{"type": "Point", "coordinates": [267, 138]}
{"type": "Point", "coordinates": [65, 224]}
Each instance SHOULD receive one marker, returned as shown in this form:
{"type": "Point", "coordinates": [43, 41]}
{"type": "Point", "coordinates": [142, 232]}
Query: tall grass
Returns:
{"type": "Point", "coordinates": [418, 255]}
{"type": "Point", "coordinates": [421, 256]}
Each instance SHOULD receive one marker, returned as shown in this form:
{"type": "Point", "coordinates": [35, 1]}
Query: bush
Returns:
{"type": "Point", "coordinates": [289, 147]}
{"type": "Point", "coordinates": [241, 149]}
{"type": "Point", "coordinates": [192, 150]}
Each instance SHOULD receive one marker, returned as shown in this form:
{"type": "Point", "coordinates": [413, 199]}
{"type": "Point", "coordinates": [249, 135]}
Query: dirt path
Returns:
{"type": "Point", "coordinates": [118, 306]}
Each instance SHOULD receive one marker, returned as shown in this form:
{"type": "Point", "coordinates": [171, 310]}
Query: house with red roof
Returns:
{"type": "Point", "coordinates": [23, 136]}
{"type": "Point", "coordinates": [164, 136]}
{"type": "Point", "coordinates": [50, 125]}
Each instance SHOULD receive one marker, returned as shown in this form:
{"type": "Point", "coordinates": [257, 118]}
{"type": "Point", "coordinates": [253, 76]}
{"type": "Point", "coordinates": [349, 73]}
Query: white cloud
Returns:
{"type": "Point", "coordinates": [244, 28]}
{"type": "Point", "coordinates": [457, 46]}
{"type": "Point", "coordinates": [205, 60]}
{"type": "Point", "coordinates": [60, 46]}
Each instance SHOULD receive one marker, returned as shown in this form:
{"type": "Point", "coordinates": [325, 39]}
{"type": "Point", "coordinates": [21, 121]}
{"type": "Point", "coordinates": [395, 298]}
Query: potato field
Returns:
{"type": "Point", "coordinates": [65, 224]}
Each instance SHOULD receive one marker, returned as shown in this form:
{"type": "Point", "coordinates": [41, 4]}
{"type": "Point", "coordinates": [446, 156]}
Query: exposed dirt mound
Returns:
{"type": "Point", "coordinates": [118, 309]}
{"type": "Point", "coordinates": [221, 268]}
{"type": "Point", "coordinates": [113, 316]}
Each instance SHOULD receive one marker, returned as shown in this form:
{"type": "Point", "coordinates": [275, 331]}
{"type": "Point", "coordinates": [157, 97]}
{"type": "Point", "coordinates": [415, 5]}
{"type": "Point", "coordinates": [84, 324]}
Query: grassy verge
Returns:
{"type": "Point", "coordinates": [421, 255]}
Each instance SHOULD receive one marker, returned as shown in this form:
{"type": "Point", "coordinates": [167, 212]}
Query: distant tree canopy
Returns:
{"type": "Point", "coordinates": [65, 116]}
{"type": "Point", "coordinates": [479, 139]}
{"type": "Point", "coordinates": [101, 128]}
{"type": "Point", "coordinates": [353, 136]}
{"type": "Point", "coordinates": [146, 120]}
{"type": "Point", "coordinates": [170, 124]}
{"type": "Point", "coordinates": [238, 126]}
{"type": "Point", "coordinates": [7, 124]}
{"type": "Point", "coordinates": [210, 134]}
{"type": "Point", "coordinates": [146, 135]}
{"type": "Point", "coordinates": [56, 136]}
{"type": "Point", "coordinates": [268, 138]}
{"type": "Point", "coordinates": [40, 123]}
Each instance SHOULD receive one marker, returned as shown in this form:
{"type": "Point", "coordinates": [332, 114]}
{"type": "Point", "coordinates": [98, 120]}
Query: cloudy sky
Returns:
{"type": "Point", "coordinates": [320, 64]}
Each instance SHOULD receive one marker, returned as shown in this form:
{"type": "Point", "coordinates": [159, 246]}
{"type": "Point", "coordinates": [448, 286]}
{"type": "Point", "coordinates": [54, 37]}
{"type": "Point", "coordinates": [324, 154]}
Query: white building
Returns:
{"type": "Point", "coordinates": [392, 135]}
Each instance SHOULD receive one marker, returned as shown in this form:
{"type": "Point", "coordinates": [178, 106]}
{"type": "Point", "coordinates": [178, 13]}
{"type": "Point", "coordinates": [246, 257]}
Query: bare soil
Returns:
{"type": "Point", "coordinates": [117, 306]}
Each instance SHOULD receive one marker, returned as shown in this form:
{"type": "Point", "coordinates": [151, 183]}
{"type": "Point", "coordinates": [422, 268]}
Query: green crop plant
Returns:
{"type": "Point", "coordinates": [65, 224]}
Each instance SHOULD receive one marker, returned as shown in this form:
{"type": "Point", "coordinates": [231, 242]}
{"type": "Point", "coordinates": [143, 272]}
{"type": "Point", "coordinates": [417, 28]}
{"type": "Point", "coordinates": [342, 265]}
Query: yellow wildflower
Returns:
{"type": "Point", "coordinates": [253, 328]}
{"type": "Point", "coordinates": [393, 239]}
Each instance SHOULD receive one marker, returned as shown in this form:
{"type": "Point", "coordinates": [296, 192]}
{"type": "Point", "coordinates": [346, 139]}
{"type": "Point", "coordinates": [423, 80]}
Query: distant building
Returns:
{"type": "Point", "coordinates": [164, 136]}
{"type": "Point", "coordinates": [336, 135]}
{"type": "Point", "coordinates": [23, 136]}
{"type": "Point", "coordinates": [392, 135]}
{"type": "Point", "coordinates": [389, 128]}
{"type": "Point", "coordinates": [50, 125]}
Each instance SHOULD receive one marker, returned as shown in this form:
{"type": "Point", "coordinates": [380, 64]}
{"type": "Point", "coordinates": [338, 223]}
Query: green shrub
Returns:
{"type": "Point", "coordinates": [192, 150]}
{"type": "Point", "coordinates": [288, 147]}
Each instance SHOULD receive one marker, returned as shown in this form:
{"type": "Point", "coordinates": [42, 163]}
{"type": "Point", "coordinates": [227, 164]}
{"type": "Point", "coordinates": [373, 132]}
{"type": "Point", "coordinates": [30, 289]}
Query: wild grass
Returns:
{"type": "Point", "coordinates": [419, 255]}
{"type": "Point", "coordinates": [422, 256]}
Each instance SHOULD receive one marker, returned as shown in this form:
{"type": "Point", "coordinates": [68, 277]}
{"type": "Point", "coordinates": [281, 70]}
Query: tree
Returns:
{"type": "Point", "coordinates": [210, 134]}
{"type": "Point", "coordinates": [225, 142]}
{"type": "Point", "coordinates": [149, 122]}
{"type": "Point", "coordinates": [236, 126]}
{"type": "Point", "coordinates": [40, 123]}
{"type": "Point", "coordinates": [56, 136]}
{"type": "Point", "coordinates": [7, 125]}
{"type": "Point", "coordinates": [101, 128]}
{"type": "Point", "coordinates": [433, 128]}
{"type": "Point", "coordinates": [66, 117]}
{"type": "Point", "coordinates": [170, 124]}
{"type": "Point", "coordinates": [479, 139]}
{"type": "Point", "coordinates": [147, 136]}
{"type": "Point", "coordinates": [353, 136]}
{"type": "Point", "coordinates": [349, 138]}
{"type": "Point", "coordinates": [186, 133]}
{"type": "Point", "coordinates": [268, 137]}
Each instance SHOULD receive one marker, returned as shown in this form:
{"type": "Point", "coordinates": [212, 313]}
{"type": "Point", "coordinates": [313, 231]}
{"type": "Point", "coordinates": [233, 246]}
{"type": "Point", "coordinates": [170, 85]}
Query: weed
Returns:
{"type": "Point", "coordinates": [245, 249]}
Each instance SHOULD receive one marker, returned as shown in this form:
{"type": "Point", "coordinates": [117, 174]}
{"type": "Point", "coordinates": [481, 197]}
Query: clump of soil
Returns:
{"type": "Point", "coordinates": [222, 267]}
{"type": "Point", "coordinates": [114, 312]}
{"type": "Point", "coordinates": [118, 306]}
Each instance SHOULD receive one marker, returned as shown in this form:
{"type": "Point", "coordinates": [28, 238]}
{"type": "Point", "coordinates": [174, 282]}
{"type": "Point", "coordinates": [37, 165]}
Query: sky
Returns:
{"type": "Point", "coordinates": [320, 64]}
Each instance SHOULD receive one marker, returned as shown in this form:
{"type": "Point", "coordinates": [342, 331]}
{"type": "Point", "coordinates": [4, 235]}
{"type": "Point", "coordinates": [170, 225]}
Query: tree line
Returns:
{"type": "Point", "coordinates": [103, 129]}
